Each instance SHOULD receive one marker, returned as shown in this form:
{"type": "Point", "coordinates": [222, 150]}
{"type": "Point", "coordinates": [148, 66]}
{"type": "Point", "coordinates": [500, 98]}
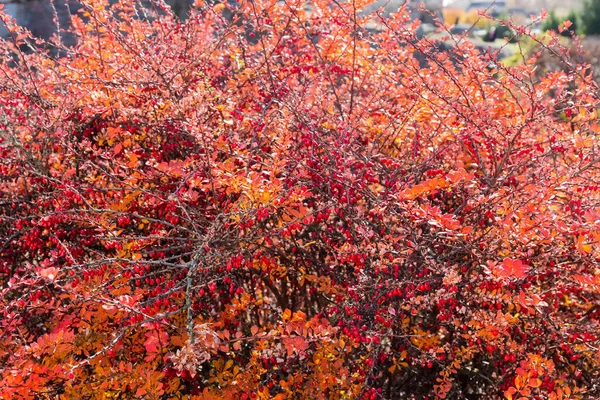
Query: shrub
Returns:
{"type": "Point", "coordinates": [501, 32]}
{"type": "Point", "coordinates": [288, 206]}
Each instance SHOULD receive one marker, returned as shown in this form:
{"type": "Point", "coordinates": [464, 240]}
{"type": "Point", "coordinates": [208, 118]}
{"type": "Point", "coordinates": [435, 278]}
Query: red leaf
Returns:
{"type": "Point", "coordinates": [512, 269]}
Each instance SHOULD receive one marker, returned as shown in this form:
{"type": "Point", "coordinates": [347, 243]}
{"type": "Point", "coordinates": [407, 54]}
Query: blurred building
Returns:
{"type": "Point", "coordinates": [467, 11]}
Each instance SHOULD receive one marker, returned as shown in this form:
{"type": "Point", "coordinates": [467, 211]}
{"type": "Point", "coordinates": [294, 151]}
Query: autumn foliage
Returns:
{"type": "Point", "coordinates": [269, 200]}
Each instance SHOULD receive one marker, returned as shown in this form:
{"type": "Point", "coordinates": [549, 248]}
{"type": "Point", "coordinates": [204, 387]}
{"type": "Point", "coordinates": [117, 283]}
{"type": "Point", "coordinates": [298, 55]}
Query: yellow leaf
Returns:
{"type": "Point", "coordinates": [287, 314]}
{"type": "Point", "coordinates": [133, 159]}
{"type": "Point", "coordinates": [519, 382]}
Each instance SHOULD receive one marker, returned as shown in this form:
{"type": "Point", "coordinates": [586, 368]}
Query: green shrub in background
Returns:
{"type": "Point", "coordinates": [590, 17]}
{"type": "Point", "coordinates": [501, 32]}
{"type": "Point", "coordinates": [553, 21]}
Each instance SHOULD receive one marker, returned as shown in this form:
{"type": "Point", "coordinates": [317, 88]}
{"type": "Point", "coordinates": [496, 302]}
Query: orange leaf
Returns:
{"type": "Point", "coordinates": [20, 37]}
{"type": "Point", "coordinates": [535, 382]}
{"type": "Point", "coordinates": [582, 246]}
{"type": "Point", "coordinates": [224, 348]}
{"type": "Point", "coordinates": [521, 371]}
{"type": "Point", "coordinates": [509, 393]}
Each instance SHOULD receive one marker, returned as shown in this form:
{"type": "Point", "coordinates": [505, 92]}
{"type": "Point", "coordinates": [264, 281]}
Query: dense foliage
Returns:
{"type": "Point", "coordinates": [284, 204]}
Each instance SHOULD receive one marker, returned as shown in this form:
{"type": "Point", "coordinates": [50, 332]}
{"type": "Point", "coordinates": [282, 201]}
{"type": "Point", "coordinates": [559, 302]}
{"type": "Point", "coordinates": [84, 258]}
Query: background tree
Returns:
{"type": "Point", "coordinates": [287, 205]}
{"type": "Point", "coordinates": [590, 17]}
{"type": "Point", "coordinates": [552, 22]}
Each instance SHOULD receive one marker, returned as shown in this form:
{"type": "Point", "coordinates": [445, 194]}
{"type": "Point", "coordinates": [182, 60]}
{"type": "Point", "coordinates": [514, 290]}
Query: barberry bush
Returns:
{"type": "Point", "coordinates": [276, 200]}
